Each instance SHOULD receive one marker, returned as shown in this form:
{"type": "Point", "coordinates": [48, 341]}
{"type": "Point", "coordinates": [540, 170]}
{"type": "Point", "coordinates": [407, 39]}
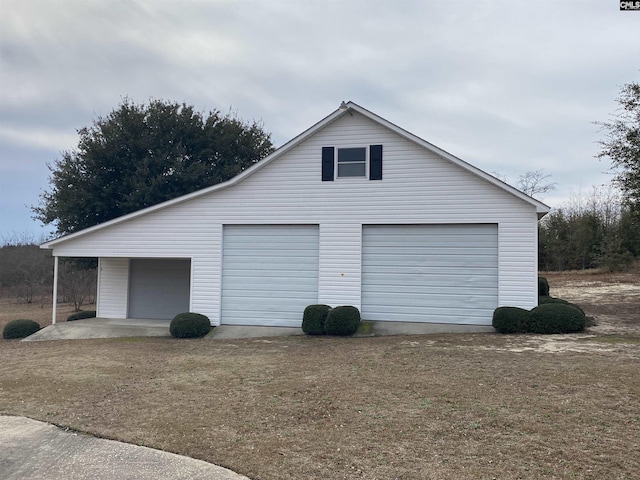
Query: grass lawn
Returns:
{"type": "Point", "coordinates": [406, 407]}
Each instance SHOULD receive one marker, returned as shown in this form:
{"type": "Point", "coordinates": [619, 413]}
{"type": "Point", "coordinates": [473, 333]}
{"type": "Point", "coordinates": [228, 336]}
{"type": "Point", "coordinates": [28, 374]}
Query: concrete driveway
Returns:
{"type": "Point", "coordinates": [39, 451]}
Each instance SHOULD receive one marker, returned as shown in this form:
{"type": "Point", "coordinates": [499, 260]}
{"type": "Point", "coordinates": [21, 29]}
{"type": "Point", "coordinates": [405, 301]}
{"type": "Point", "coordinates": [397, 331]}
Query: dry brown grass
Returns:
{"type": "Point", "coordinates": [411, 407]}
{"type": "Point", "coordinates": [40, 311]}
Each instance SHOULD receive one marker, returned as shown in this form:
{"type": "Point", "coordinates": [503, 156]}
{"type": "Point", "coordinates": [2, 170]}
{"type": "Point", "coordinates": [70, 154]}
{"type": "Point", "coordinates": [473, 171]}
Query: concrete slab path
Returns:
{"type": "Point", "coordinates": [102, 328]}
{"type": "Point", "coordinates": [35, 450]}
{"type": "Point", "coordinates": [130, 327]}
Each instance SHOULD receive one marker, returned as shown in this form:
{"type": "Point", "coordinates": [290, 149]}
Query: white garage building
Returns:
{"type": "Point", "coordinates": [354, 211]}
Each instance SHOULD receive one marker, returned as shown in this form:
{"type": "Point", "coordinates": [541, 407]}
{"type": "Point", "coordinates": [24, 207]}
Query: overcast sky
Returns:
{"type": "Point", "coordinates": [509, 86]}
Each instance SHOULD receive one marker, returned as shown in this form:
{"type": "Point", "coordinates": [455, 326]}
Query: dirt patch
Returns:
{"type": "Point", "coordinates": [613, 300]}
{"type": "Point", "coordinates": [408, 407]}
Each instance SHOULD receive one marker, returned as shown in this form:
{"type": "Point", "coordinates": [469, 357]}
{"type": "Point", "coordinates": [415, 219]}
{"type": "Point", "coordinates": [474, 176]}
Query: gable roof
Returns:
{"type": "Point", "coordinates": [344, 109]}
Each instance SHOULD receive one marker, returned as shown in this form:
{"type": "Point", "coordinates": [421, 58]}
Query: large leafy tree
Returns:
{"type": "Point", "coordinates": [622, 145]}
{"type": "Point", "coordinates": [143, 154]}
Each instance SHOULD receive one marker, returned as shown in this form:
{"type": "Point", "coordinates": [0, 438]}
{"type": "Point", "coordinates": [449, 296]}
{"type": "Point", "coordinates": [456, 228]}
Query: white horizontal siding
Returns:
{"type": "Point", "coordinates": [206, 275]}
{"type": "Point", "coordinates": [113, 281]}
{"type": "Point", "coordinates": [418, 187]}
{"type": "Point", "coordinates": [205, 287]}
{"type": "Point", "coordinates": [518, 263]}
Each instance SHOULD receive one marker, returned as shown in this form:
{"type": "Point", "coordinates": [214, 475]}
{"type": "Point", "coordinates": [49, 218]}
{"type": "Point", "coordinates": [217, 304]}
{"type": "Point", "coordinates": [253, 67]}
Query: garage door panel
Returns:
{"type": "Point", "coordinates": [449, 250]}
{"type": "Point", "coordinates": [243, 237]}
{"type": "Point", "coordinates": [390, 239]}
{"type": "Point", "coordinates": [274, 255]}
{"type": "Point", "coordinates": [458, 302]}
{"type": "Point", "coordinates": [442, 312]}
{"type": "Point", "coordinates": [462, 259]}
{"type": "Point", "coordinates": [477, 317]}
{"type": "Point", "coordinates": [270, 273]}
{"type": "Point", "coordinates": [267, 243]}
{"type": "Point", "coordinates": [159, 288]}
{"type": "Point", "coordinates": [292, 287]}
{"type": "Point", "coordinates": [426, 272]}
{"type": "Point", "coordinates": [418, 276]}
{"type": "Point", "coordinates": [417, 289]}
{"type": "Point", "coordinates": [304, 271]}
{"type": "Point", "coordinates": [267, 302]}
{"type": "Point", "coordinates": [430, 273]}
{"type": "Point", "coordinates": [245, 279]}
{"type": "Point", "coordinates": [419, 267]}
{"type": "Point", "coordinates": [248, 264]}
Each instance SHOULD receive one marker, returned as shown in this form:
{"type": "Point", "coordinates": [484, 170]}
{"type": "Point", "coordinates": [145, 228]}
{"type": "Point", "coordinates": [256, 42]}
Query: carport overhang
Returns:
{"type": "Point", "coordinates": [74, 254]}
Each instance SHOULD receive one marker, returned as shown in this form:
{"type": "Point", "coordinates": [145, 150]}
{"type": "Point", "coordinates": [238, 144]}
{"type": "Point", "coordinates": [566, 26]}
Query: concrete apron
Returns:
{"type": "Point", "coordinates": [114, 328]}
{"type": "Point", "coordinates": [102, 328]}
{"type": "Point", "coordinates": [367, 329]}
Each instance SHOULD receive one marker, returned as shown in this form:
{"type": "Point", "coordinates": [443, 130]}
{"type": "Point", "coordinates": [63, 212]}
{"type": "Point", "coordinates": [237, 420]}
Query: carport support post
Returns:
{"type": "Point", "coordinates": [55, 290]}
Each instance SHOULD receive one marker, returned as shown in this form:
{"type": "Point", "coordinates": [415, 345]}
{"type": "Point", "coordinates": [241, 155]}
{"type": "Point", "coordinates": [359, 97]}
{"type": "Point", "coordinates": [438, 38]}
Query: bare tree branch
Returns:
{"type": "Point", "coordinates": [536, 183]}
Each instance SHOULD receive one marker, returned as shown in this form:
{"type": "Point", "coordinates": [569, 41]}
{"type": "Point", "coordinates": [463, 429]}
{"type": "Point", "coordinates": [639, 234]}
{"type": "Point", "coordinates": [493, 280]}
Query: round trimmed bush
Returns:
{"type": "Point", "coordinates": [189, 325]}
{"type": "Point", "coordinates": [313, 319]}
{"type": "Point", "coordinates": [20, 328]}
{"type": "Point", "coordinates": [556, 318]}
{"type": "Point", "coordinates": [343, 321]}
{"type": "Point", "coordinates": [510, 319]}
{"type": "Point", "coordinates": [81, 315]}
{"type": "Point", "coordinates": [545, 300]}
{"type": "Point", "coordinates": [543, 287]}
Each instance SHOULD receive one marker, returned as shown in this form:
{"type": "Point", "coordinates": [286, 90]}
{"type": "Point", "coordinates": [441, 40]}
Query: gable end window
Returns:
{"type": "Point", "coordinates": [352, 162]}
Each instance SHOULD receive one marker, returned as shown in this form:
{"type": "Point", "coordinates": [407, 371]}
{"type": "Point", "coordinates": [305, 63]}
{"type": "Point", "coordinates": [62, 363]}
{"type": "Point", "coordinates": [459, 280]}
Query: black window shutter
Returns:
{"type": "Point", "coordinates": [375, 162]}
{"type": "Point", "coordinates": [327, 164]}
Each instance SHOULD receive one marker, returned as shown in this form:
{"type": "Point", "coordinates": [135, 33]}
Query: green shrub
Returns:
{"type": "Point", "coordinates": [546, 300]}
{"type": "Point", "coordinates": [556, 318]}
{"type": "Point", "coordinates": [313, 319]}
{"type": "Point", "coordinates": [511, 319]}
{"type": "Point", "coordinates": [20, 328]}
{"type": "Point", "coordinates": [543, 287]}
{"type": "Point", "coordinates": [189, 325]}
{"type": "Point", "coordinates": [342, 321]}
{"type": "Point", "coordinates": [80, 315]}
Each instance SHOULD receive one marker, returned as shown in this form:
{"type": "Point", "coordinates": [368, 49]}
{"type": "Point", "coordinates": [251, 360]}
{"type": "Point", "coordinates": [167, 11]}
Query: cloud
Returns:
{"type": "Point", "coordinates": [42, 138]}
{"type": "Point", "coordinates": [508, 86]}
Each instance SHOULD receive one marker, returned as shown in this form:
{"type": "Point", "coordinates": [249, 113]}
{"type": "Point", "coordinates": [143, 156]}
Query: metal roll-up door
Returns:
{"type": "Point", "coordinates": [269, 274]}
{"type": "Point", "coordinates": [430, 273]}
{"type": "Point", "coordinates": [159, 288]}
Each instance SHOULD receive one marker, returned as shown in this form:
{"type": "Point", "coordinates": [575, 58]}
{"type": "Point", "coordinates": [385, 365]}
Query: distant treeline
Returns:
{"type": "Point", "coordinates": [593, 231]}
{"type": "Point", "coordinates": [26, 274]}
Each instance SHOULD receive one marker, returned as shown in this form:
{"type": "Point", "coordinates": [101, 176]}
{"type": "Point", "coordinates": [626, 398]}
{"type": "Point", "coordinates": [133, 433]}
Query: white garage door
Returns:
{"type": "Point", "coordinates": [269, 274]}
{"type": "Point", "coordinates": [430, 273]}
{"type": "Point", "coordinates": [159, 288]}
